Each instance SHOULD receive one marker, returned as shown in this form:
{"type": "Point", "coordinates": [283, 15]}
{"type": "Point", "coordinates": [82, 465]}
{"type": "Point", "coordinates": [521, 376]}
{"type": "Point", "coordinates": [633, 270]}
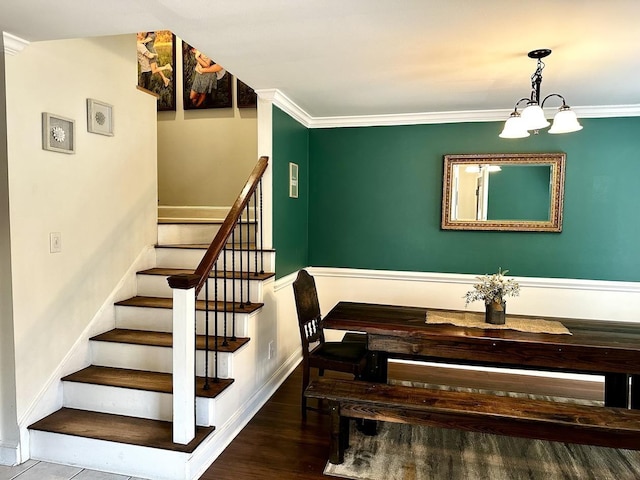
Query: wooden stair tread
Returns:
{"type": "Point", "coordinates": [198, 221]}
{"type": "Point", "coordinates": [164, 339]}
{"type": "Point", "coordinates": [162, 302]}
{"type": "Point", "coordinates": [190, 221]}
{"type": "Point", "coordinates": [142, 380]}
{"type": "Point", "coordinates": [203, 246]}
{"type": "Point", "coordinates": [180, 271]}
{"type": "Point", "coordinates": [118, 428]}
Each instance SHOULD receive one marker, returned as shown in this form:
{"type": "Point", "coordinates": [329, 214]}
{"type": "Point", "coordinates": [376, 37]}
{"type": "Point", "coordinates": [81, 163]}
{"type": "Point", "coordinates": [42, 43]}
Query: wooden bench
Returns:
{"type": "Point", "coordinates": [479, 412]}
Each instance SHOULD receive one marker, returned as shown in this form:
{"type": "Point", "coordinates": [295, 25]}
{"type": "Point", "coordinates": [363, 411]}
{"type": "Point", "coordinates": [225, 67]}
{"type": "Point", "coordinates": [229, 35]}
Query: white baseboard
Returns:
{"type": "Point", "coordinates": [9, 454]}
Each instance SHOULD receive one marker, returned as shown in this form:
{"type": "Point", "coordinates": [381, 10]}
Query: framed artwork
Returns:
{"type": "Point", "coordinates": [156, 66]}
{"type": "Point", "coordinates": [205, 84]}
{"type": "Point", "coordinates": [293, 180]}
{"type": "Point", "coordinates": [247, 97]}
{"type": "Point", "coordinates": [99, 117]}
{"type": "Point", "coordinates": [58, 133]}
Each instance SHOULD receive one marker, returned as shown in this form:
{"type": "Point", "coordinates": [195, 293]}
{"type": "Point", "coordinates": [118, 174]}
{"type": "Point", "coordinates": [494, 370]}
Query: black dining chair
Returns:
{"type": "Point", "coordinates": [345, 356]}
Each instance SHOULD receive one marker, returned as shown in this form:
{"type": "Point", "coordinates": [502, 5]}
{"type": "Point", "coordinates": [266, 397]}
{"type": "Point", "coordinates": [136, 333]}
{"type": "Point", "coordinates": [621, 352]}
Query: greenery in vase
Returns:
{"type": "Point", "coordinates": [492, 288]}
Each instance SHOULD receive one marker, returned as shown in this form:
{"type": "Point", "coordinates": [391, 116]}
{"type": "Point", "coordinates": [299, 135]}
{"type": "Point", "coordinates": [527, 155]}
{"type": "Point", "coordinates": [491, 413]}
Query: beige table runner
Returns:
{"type": "Point", "coordinates": [476, 320]}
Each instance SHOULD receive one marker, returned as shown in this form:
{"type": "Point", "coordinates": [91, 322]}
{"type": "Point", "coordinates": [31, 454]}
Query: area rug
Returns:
{"type": "Point", "coordinates": [411, 452]}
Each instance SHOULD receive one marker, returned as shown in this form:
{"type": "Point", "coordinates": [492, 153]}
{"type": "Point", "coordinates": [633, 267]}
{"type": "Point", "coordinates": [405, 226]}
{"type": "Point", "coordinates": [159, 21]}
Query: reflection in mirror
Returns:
{"type": "Point", "coordinates": [503, 192]}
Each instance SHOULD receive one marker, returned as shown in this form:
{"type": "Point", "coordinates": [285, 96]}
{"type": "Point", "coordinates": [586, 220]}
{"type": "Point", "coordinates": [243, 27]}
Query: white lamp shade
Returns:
{"type": "Point", "coordinates": [565, 121]}
{"type": "Point", "coordinates": [514, 127]}
{"type": "Point", "coordinates": [533, 118]}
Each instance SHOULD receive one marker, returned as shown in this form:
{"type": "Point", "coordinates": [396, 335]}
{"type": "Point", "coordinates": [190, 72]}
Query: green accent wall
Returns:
{"type": "Point", "coordinates": [375, 194]}
{"type": "Point", "coordinates": [520, 192]}
{"type": "Point", "coordinates": [290, 215]}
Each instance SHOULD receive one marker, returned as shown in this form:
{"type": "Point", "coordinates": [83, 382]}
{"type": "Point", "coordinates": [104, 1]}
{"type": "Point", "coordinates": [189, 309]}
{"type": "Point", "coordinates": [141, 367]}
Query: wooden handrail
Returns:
{"type": "Point", "coordinates": [217, 244]}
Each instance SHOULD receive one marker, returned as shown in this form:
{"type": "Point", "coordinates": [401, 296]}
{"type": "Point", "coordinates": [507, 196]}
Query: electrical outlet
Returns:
{"type": "Point", "coordinates": [272, 350]}
{"type": "Point", "coordinates": [55, 242]}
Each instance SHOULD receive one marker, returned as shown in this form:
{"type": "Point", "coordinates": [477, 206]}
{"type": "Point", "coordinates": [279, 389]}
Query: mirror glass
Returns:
{"type": "Point", "coordinates": [503, 192]}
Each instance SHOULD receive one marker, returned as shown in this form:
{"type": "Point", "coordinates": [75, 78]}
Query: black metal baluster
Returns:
{"type": "Point", "coordinates": [233, 285]}
{"type": "Point", "coordinates": [215, 328]}
{"type": "Point", "coordinates": [225, 343]}
{"type": "Point", "coordinates": [261, 222]}
{"type": "Point", "coordinates": [255, 230]}
{"type": "Point", "coordinates": [240, 276]}
{"type": "Point", "coordinates": [206, 333]}
{"type": "Point", "coordinates": [248, 302]}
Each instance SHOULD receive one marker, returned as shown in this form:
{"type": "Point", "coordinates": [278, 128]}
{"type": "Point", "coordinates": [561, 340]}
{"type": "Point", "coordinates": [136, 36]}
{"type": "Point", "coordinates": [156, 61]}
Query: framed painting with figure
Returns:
{"type": "Point", "coordinates": [247, 97]}
{"type": "Point", "coordinates": [206, 84]}
{"type": "Point", "coordinates": [156, 66]}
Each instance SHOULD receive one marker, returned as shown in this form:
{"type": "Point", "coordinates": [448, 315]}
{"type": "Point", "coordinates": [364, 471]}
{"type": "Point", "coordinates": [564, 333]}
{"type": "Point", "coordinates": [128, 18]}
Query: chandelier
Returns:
{"type": "Point", "coordinates": [532, 117]}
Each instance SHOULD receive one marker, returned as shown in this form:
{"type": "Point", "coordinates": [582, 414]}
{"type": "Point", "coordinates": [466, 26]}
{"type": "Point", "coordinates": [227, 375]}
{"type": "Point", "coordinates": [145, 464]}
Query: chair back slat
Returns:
{"type": "Point", "coordinates": [308, 308]}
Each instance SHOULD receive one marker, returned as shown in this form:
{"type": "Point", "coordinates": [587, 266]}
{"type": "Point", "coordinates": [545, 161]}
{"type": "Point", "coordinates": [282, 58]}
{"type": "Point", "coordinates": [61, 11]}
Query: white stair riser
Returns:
{"type": "Point", "coordinates": [175, 234]}
{"type": "Point", "coordinates": [216, 411]}
{"type": "Point", "coordinates": [121, 401]}
{"type": "Point", "coordinates": [157, 286]}
{"type": "Point", "coordinates": [190, 258]}
{"type": "Point", "coordinates": [136, 403]}
{"type": "Point", "coordinates": [161, 320]}
{"type": "Point", "coordinates": [155, 359]}
{"type": "Point", "coordinates": [119, 458]}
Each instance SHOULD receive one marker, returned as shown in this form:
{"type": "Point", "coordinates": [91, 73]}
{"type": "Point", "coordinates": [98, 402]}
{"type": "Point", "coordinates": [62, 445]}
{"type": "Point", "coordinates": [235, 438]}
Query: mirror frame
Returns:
{"type": "Point", "coordinates": [555, 160]}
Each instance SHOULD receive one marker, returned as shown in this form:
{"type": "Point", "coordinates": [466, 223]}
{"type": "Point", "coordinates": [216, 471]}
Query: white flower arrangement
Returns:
{"type": "Point", "coordinates": [493, 288]}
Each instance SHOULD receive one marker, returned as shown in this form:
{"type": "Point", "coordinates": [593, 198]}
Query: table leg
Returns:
{"type": "Point", "coordinates": [635, 391]}
{"type": "Point", "coordinates": [616, 390]}
{"type": "Point", "coordinates": [377, 366]}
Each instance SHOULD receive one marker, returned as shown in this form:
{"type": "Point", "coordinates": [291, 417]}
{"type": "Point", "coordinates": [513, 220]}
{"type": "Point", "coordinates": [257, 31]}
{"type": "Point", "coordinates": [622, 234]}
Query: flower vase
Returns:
{"type": "Point", "coordinates": [495, 312]}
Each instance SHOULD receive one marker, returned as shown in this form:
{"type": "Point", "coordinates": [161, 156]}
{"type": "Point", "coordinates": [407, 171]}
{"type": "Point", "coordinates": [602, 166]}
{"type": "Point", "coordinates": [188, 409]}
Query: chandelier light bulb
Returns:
{"type": "Point", "coordinates": [533, 118]}
{"type": "Point", "coordinates": [565, 121]}
{"type": "Point", "coordinates": [514, 127]}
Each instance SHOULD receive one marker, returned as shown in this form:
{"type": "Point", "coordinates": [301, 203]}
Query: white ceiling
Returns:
{"type": "Point", "coordinates": [375, 57]}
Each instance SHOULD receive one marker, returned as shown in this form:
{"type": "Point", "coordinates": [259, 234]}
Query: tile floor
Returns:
{"type": "Point", "coordinates": [35, 470]}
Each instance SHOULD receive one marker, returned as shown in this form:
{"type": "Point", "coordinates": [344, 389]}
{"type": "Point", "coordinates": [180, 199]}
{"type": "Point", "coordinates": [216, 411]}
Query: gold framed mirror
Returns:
{"type": "Point", "coordinates": [503, 191]}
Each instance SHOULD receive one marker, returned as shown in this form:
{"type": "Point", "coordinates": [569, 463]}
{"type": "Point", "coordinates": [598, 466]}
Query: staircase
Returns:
{"type": "Point", "coordinates": [117, 412]}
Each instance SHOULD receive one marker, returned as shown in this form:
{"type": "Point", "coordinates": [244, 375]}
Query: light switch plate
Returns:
{"type": "Point", "coordinates": [55, 242]}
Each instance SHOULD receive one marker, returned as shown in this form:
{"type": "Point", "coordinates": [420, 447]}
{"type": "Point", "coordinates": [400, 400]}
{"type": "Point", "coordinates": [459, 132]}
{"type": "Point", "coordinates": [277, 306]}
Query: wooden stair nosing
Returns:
{"type": "Point", "coordinates": [118, 428]}
{"type": "Point", "coordinates": [142, 380]}
{"type": "Point", "coordinates": [166, 302]}
{"type": "Point", "coordinates": [166, 272]}
{"type": "Point", "coordinates": [165, 339]}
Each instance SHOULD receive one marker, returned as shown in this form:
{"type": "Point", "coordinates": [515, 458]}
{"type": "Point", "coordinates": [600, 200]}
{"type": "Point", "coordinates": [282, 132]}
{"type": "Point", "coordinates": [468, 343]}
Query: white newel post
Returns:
{"type": "Point", "coordinates": [184, 374]}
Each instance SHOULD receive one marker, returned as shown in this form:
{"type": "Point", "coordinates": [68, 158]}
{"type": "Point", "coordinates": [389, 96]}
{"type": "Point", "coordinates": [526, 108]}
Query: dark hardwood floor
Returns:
{"type": "Point", "coordinates": [276, 444]}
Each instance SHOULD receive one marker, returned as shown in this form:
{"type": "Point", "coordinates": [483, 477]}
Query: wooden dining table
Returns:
{"type": "Point", "coordinates": [608, 348]}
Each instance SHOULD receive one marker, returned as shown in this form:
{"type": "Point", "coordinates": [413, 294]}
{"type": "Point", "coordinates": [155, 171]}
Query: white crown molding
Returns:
{"type": "Point", "coordinates": [12, 44]}
{"type": "Point", "coordinates": [287, 105]}
{"type": "Point", "coordinates": [283, 102]}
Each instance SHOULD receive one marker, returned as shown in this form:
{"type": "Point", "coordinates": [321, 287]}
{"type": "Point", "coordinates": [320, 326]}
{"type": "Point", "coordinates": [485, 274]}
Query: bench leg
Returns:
{"type": "Point", "coordinates": [635, 391]}
{"type": "Point", "coordinates": [339, 434]}
{"type": "Point", "coordinates": [616, 390]}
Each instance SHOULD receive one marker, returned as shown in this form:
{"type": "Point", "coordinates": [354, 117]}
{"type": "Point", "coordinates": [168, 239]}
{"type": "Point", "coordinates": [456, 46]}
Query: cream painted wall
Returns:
{"type": "Point", "coordinates": [103, 199]}
{"type": "Point", "coordinates": [204, 156]}
{"type": "Point", "coordinates": [9, 435]}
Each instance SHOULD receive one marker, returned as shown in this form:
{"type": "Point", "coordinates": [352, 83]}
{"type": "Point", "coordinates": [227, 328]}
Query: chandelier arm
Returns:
{"type": "Point", "coordinates": [564, 104]}
{"type": "Point", "coordinates": [515, 109]}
